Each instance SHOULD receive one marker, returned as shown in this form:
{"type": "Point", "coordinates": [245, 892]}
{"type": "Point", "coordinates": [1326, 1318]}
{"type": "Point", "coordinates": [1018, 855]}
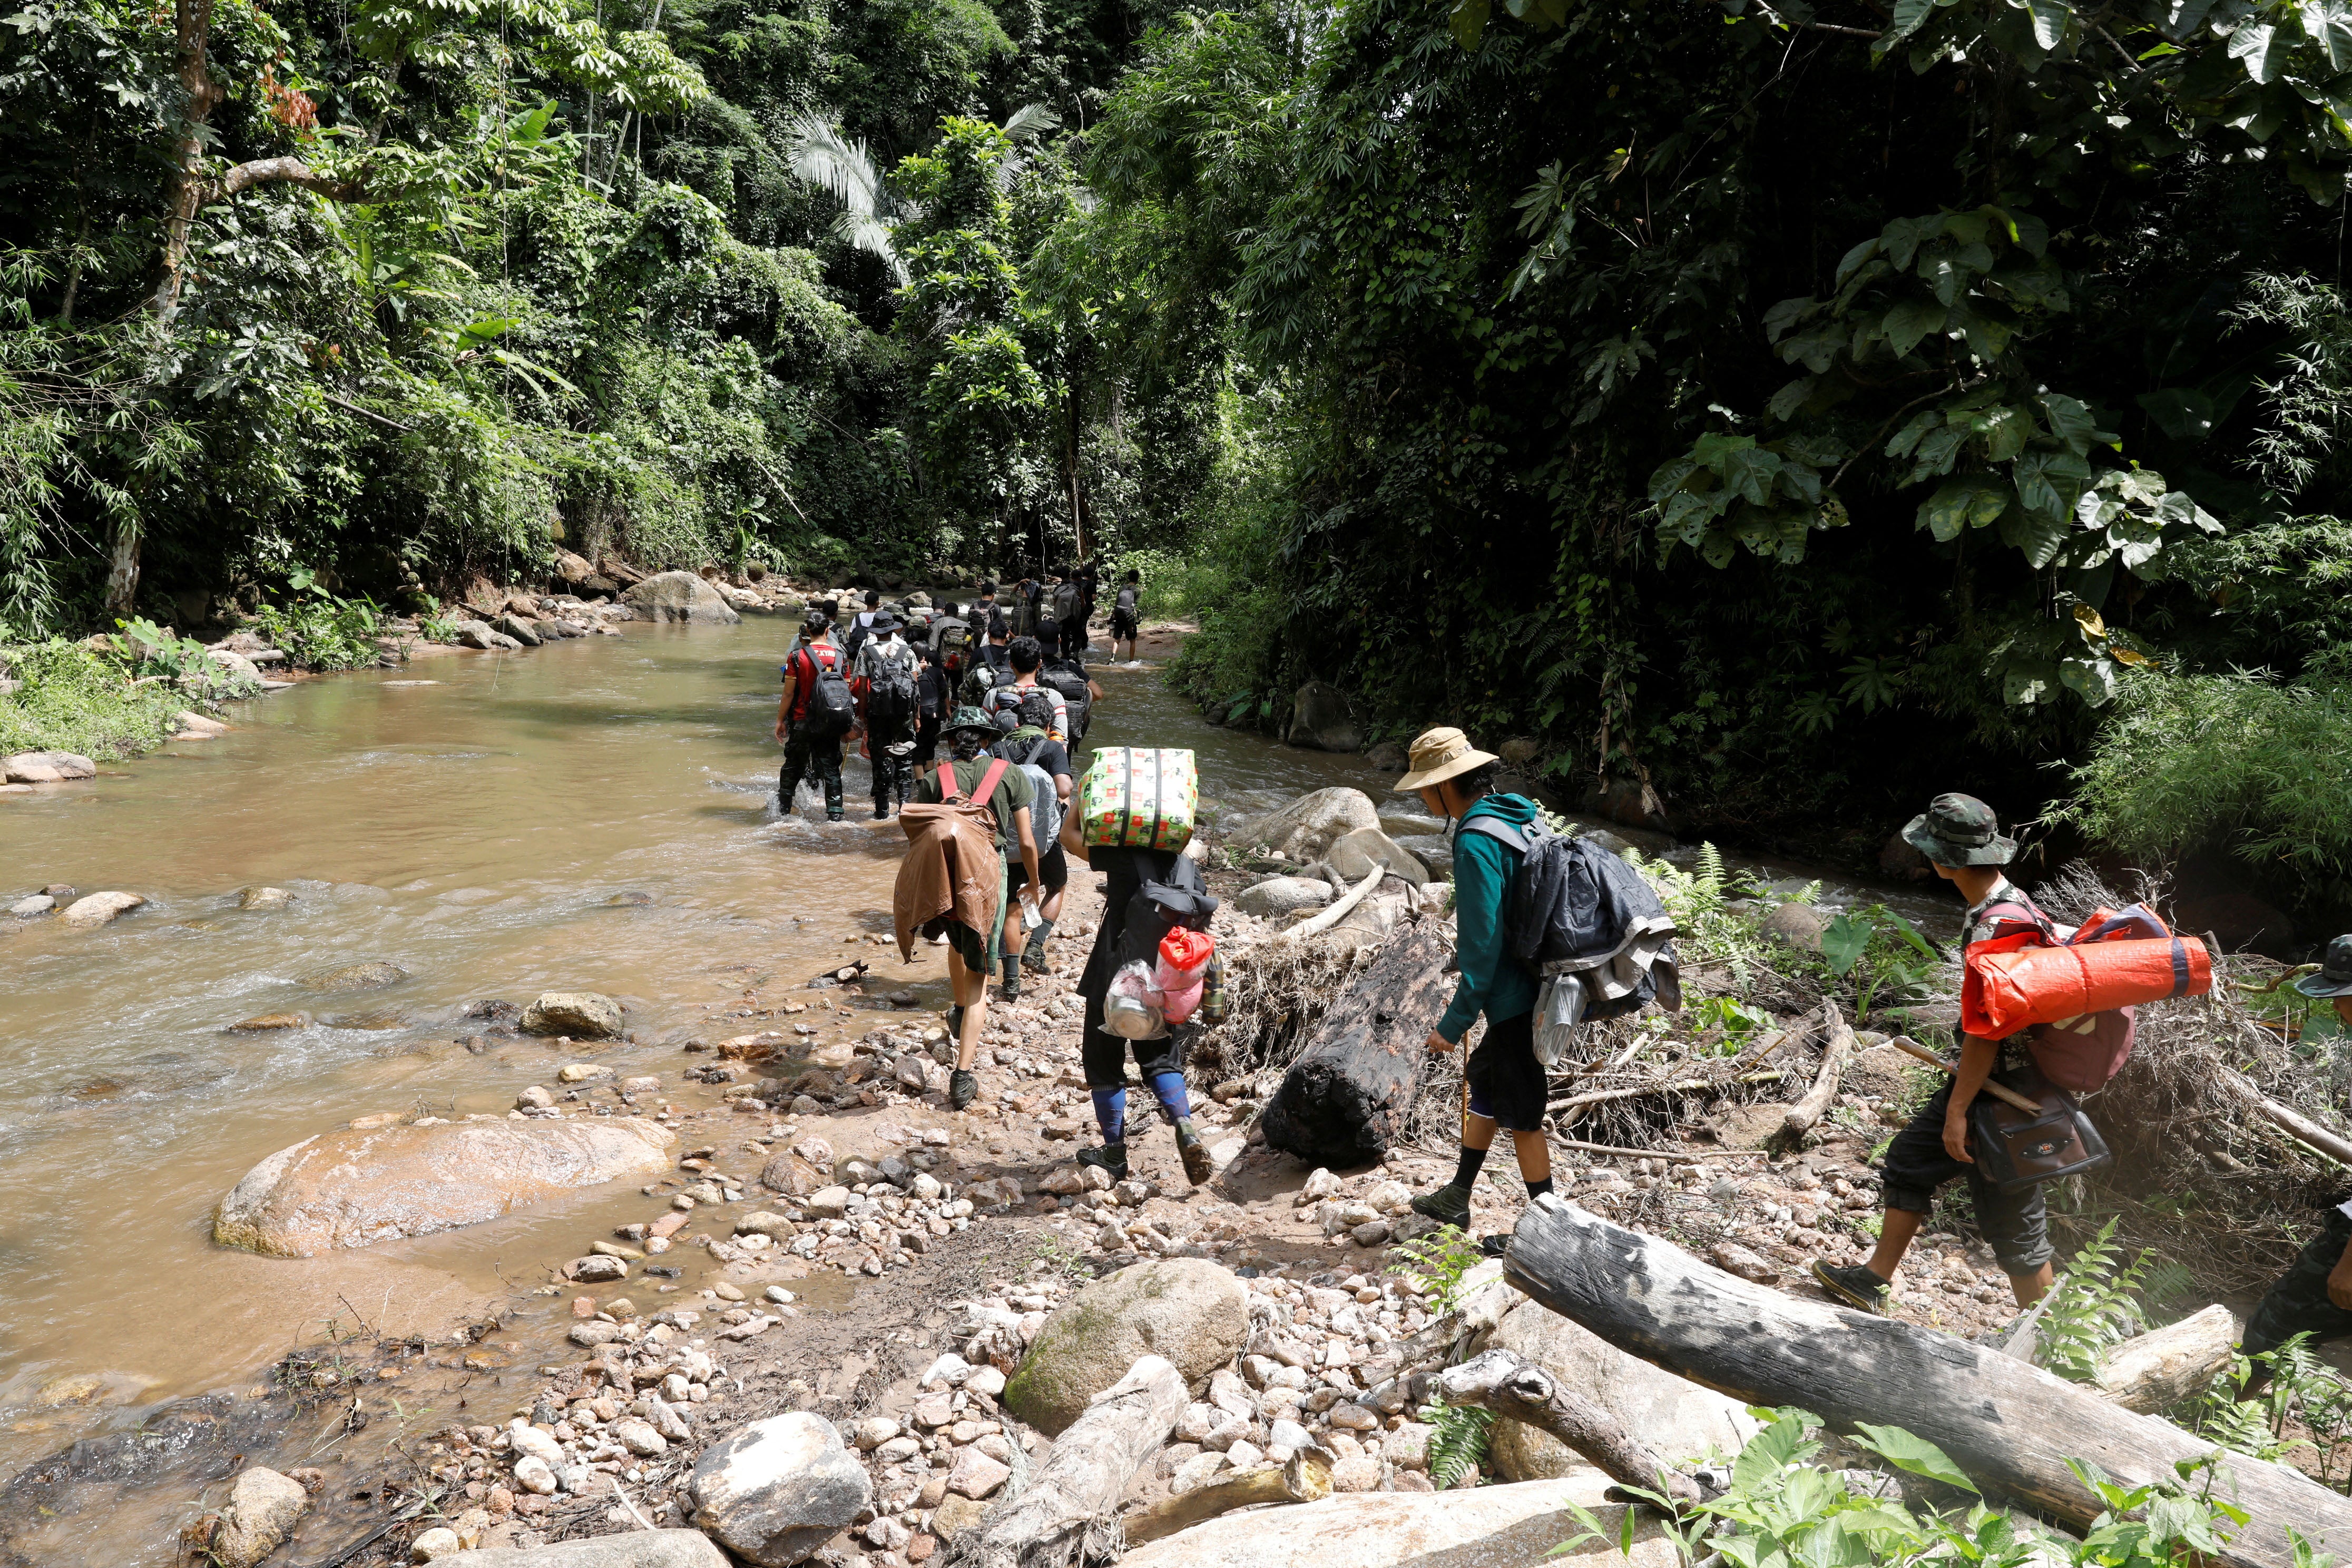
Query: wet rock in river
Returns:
{"type": "Point", "coordinates": [583, 1015]}
{"type": "Point", "coordinates": [629, 900]}
{"type": "Point", "coordinates": [372, 1018]}
{"type": "Point", "coordinates": [1308, 825]}
{"type": "Point", "coordinates": [26, 908]}
{"type": "Point", "coordinates": [264, 899]}
{"type": "Point", "coordinates": [359, 1186]}
{"type": "Point", "coordinates": [681, 596]}
{"type": "Point", "coordinates": [374, 976]}
{"type": "Point", "coordinates": [46, 767]}
{"type": "Point", "coordinates": [515, 626]}
{"type": "Point", "coordinates": [266, 1021]}
{"type": "Point", "coordinates": [262, 1507]}
{"type": "Point", "coordinates": [100, 909]}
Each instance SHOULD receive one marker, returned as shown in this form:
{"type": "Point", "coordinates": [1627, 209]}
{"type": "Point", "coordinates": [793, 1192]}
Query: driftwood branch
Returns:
{"type": "Point", "coordinates": [1511, 1386]}
{"type": "Point", "coordinates": [1063, 1517]}
{"type": "Point", "coordinates": [1806, 1112]}
{"type": "Point", "coordinates": [2161, 1368]}
{"type": "Point", "coordinates": [2000, 1091]}
{"type": "Point", "coordinates": [1678, 1086]}
{"type": "Point", "coordinates": [2292, 1122]}
{"type": "Point", "coordinates": [1306, 1479]}
{"type": "Point", "coordinates": [1337, 911]}
{"type": "Point", "coordinates": [242, 177]}
{"type": "Point", "coordinates": [2010, 1425]}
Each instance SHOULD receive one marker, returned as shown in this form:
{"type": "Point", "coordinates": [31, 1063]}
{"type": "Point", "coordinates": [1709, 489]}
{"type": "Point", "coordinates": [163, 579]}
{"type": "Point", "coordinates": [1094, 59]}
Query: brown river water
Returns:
{"type": "Point", "coordinates": [477, 832]}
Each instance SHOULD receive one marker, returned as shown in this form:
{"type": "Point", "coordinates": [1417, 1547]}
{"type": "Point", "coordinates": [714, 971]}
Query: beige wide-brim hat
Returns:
{"type": "Point", "coordinates": [1438, 755]}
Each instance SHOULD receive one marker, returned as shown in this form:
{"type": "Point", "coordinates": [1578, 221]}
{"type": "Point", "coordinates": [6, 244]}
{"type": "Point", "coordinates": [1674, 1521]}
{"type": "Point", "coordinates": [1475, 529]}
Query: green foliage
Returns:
{"type": "Point", "coordinates": [1784, 1508]}
{"type": "Point", "coordinates": [1440, 1259]}
{"type": "Point", "coordinates": [2090, 1308]}
{"type": "Point", "coordinates": [2191, 760]}
{"type": "Point", "coordinates": [1883, 954]}
{"type": "Point", "coordinates": [1457, 1441]}
{"type": "Point", "coordinates": [318, 630]}
{"type": "Point", "coordinates": [2303, 1391]}
{"type": "Point", "coordinates": [73, 700]}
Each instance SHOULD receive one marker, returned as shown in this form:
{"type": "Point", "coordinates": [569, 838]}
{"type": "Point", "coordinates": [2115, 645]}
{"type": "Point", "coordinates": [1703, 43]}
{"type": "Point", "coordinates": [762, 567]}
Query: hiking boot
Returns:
{"type": "Point", "coordinates": [1449, 1205]}
{"type": "Point", "coordinates": [1854, 1285]}
{"type": "Point", "coordinates": [1009, 988]}
{"type": "Point", "coordinates": [1198, 1166]}
{"type": "Point", "coordinates": [963, 1088]}
{"type": "Point", "coordinates": [1111, 1157]}
{"type": "Point", "coordinates": [955, 1022]}
{"type": "Point", "coordinates": [1494, 1245]}
{"type": "Point", "coordinates": [1033, 960]}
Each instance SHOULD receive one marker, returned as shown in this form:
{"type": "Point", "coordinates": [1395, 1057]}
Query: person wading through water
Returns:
{"type": "Point", "coordinates": [1126, 611]}
{"type": "Point", "coordinates": [1961, 838]}
{"type": "Point", "coordinates": [888, 680]}
{"type": "Point", "coordinates": [806, 728]}
{"type": "Point", "coordinates": [1502, 1083]}
{"type": "Point", "coordinates": [972, 948]}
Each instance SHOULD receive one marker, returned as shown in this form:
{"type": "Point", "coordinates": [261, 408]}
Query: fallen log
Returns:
{"type": "Point", "coordinates": [1063, 1517]}
{"type": "Point", "coordinates": [1306, 1479]}
{"type": "Point", "coordinates": [2009, 1426]}
{"type": "Point", "coordinates": [1676, 1086]}
{"type": "Point", "coordinates": [1509, 1384]}
{"type": "Point", "coordinates": [1330, 917]}
{"type": "Point", "coordinates": [1802, 1115]}
{"type": "Point", "coordinates": [2292, 1122]}
{"type": "Point", "coordinates": [2160, 1369]}
{"type": "Point", "coordinates": [1343, 1101]}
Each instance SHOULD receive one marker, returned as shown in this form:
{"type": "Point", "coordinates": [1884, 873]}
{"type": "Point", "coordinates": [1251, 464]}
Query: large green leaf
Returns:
{"type": "Point", "coordinates": [2328, 24]}
{"type": "Point", "coordinates": [1750, 472]}
{"type": "Point", "coordinates": [1910, 321]}
{"type": "Point", "coordinates": [2039, 537]}
{"type": "Point", "coordinates": [2050, 19]}
{"type": "Point", "coordinates": [2005, 430]}
{"type": "Point", "coordinates": [1908, 15]}
{"type": "Point", "coordinates": [2070, 421]}
{"type": "Point", "coordinates": [2051, 482]}
{"type": "Point", "coordinates": [2256, 43]}
{"type": "Point", "coordinates": [1959, 504]}
{"type": "Point", "coordinates": [2092, 679]}
{"type": "Point", "coordinates": [1908, 1451]}
{"type": "Point", "coordinates": [1468, 20]}
{"type": "Point", "coordinates": [2029, 682]}
{"type": "Point", "coordinates": [1938, 449]}
{"type": "Point", "coordinates": [2182, 413]}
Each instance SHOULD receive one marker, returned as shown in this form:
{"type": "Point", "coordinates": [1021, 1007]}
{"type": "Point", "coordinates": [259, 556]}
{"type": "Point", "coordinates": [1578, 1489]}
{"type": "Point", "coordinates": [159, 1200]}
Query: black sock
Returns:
{"type": "Point", "coordinates": [1466, 1173]}
{"type": "Point", "coordinates": [1538, 1189]}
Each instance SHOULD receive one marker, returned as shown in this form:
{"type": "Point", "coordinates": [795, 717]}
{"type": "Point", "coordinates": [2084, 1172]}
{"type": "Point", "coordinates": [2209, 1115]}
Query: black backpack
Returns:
{"type": "Point", "coordinates": [831, 710]}
{"type": "Point", "coordinates": [890, 695]}
{"type": "Point", "coordinates": [1068, 601]}
{"type": "Point", "coordinates": [1158, 907]}
{"type": "Point", "coordinates": [1567, 895]}
{"type": "Point", "coordinates": [1076, 698]}
{"type": "Point", "coordinates": [1125, 603]}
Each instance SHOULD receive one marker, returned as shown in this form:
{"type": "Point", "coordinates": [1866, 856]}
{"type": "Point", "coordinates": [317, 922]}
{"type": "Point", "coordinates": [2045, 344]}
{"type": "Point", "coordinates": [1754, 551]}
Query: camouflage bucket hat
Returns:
{"type": "Point", "coordinates": [1959, 830]}
{"type": "Point", "coordinates": [968, 718]}
{"type": "Point", "coordinates": [2334, 976]}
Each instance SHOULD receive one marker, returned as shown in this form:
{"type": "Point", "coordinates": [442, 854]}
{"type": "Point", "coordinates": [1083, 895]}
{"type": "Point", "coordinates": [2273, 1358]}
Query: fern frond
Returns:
{"type": "Point", "coordinates": [1457, 1441]}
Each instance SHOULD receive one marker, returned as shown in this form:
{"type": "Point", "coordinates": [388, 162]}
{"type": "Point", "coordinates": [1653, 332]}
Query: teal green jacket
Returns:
{"type": "Point", "coordinates": [1491, 982]}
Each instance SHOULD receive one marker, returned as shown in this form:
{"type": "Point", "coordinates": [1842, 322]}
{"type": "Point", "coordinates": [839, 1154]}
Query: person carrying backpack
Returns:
{"type": "Point", "coordinates": [968, 778]}
{"type": "Point", "coordinates": [1025, 658]}
{"type": "Point", "coordinates": [1961, 838]}
{"type": "Point", "coordinates": [861, 627]}
{"type": "Point", "coordinates": [989, 665]}
{"type": "Point", "coordinates": [888, 677]}
{"type": "Point", "coordinates": [1125, 613]}
{"type": "Point", "coordinates": [2315, 1296]}
{"type": "Point", "coordinates": [1504, 1084]}
{"type": "Point", "coordinates": [1070, 607]}
{"type": "Point", "coordinates": [934, 698]}
{"type": "Point", "coordinates": [1033, 749]}
{"type": "Point", "coordinates": [816, 711]}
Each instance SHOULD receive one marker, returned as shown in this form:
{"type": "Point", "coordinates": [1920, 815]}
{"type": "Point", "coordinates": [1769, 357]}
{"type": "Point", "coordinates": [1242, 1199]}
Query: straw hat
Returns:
{"type": "Point", "coordinates": [1438, 755]}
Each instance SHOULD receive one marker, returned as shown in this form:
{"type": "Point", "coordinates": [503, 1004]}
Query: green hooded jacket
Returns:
{"type": "Point", "coordinates": [1492, 981]}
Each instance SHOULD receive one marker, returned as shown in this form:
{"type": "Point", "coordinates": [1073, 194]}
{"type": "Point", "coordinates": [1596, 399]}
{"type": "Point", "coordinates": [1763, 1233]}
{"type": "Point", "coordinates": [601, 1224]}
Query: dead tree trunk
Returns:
{"type": "Point", "coordinates": [1837, 1047]}
{"type": "Point", "coordinates": [2010, 1426]}
{"type": "Point", "coordinates": [1511, 1386]}
{"type": "Point", "coordinates": [2166, 1365]}
{"type": "Point", "coordinates": [1343, 1101]}
{"type": "Point", "coordinates": [1306, 1479]}
{"type": "Point", "coordinates": [1063, 1517]}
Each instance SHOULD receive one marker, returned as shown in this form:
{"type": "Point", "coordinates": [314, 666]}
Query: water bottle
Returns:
{"type": "Point", "coordinates": [1213, 994]}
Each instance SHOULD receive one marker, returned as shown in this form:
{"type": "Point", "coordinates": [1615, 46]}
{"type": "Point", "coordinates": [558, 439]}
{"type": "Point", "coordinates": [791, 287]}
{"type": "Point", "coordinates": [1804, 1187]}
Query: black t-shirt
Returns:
{"type": "Point", "coordinates": [1049, 637]}
{"type": "Point", "coordinates": [1088, 579]}
{"type": "Point", "coordinates": [1053, 756]}
{"type": "Point", "coordinates": [1124, 872]}
{"type": "Point", "coordinates": [931, 692]}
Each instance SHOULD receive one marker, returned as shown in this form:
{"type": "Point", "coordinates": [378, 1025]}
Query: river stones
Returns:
{"type": "Point", "coordinates": [99, 908]}
{"type": "Point", "coordinates": [46, 767]}
{"type": "Point", "coordinates": [265, 1022]}
{"type": "Point", "coordinates": [779, 1488]}
{"type": "Point", "coordinates": [1354, 855]}
{"type": "Point", "coordinates": [359, 1186]}
{"type": "Point", "coordinates": [1187, 1309]}
{"type": "Point", "coordinates": [625, 1549]}
{"type": "Point", "coordinates": [1308, 825]}
{"type": "Point", "coordinates": [33, 905]}
{"type": "Point", "coordinates": [371, 976]}
{"type": "Point", "coordinates": [681, 596]}
{"type": "Point", "coordinates": [264, 899]}
{"type": "Point", "coordinates": [262, 1508]}
{"type": "Point", "coordinates": [369, 1018]}
{"type": "Point", "coordinates": [1278, 896]}
{"type": "Point", "coordinates": [583, 1015]}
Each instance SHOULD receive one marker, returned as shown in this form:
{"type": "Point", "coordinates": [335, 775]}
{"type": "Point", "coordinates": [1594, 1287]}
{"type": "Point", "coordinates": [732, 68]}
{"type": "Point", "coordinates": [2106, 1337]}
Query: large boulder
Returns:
{"type": "Point", "coordinates": [262, 1510]}
{"type": "Point", "coordinates": [362, 1186]}
{"type": "Point", "coordinates": [1278, 896]}
{"type": "Point", "coordinates": [1434, 850]}
{"type": "Point", "coordinates": [574, 569]}
{"type": "Point", "coordinates": [99, 908]}
{"type": "Point", "coordinates": [1677, 1419]}
{"type": "Point", "coordinates": [1310, 825]}
{"type": "Point", "coordinates": [1320, 718]}
{"type": "Point", "coordinates": [1355, 855]}
{"type": "Point", "coordinates": [627, 1549]}
{"type": "Point", "coordinates": [1799, 926]}
{"type": "Point", "coordinates": [1489, 1527]}
{"type": "Point", "coordinates": [581, 1014]}
{"type": "Point", "coordinates": [46, 767]}
{"type": "Point", "coordinates": [483, 636]}
{"type": "Point", "coordinates": [681, 596]}
{"type": "Point", "coordinates": [522, 631]}
{"type": "Point", "coordinates": [779, 1488]}
{"type": "Point", "coordinates": [1187, 1309]}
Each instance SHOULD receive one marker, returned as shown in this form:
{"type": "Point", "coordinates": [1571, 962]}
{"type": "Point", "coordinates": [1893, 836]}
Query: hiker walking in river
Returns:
{"type": "Point", "coordinates": [1126, 613]}
{"type": "Point", "coordinates": [1502, 1083]}
{"type": "Point", "coordinates": [816, 711]}
{"type": "Point", "coordinates": [969, 818]}
{"type": "Point", "coordinates": [2315, 1296]}
{"type": "Point", "coordinates": [888, 688]}
{"type": "Point", "coordinates": [1962, 839]}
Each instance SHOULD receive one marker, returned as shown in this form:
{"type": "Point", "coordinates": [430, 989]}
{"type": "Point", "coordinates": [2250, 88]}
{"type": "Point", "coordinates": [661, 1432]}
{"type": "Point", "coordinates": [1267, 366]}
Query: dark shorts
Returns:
{"type": "Point", "coordinates": [2298, 1303]}
{"type": "Point", "coordinates": [978, 952]}
{"type": "Point", "coordinates": [2016, 1226]}
{"type": "Point", "coordinates": [1122, 626]}
{"type": "Point", "coordinates": [1053, 871]}
{"type": "Point", "coordinates": [1502, 1080]}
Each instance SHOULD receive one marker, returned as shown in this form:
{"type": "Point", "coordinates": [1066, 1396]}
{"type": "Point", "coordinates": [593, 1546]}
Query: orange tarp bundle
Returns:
{"type": "Point", "coordinates": [2013, 981]}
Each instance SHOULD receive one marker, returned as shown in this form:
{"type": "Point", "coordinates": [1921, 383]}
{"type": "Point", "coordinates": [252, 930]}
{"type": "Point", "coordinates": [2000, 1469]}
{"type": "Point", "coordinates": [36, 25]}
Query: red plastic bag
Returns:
{"type": "Point", "coordinates": [1184, 956]}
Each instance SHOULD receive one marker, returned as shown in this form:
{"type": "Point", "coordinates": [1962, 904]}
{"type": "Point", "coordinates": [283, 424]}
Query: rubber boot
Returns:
{"type": "Point", "coordinates": [1111, 1157]}
{"type": "Point", "coordinates": [1198, 1166]}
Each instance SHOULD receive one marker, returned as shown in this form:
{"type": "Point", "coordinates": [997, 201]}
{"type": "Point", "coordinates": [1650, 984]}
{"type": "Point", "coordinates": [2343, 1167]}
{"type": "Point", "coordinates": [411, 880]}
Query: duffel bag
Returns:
{"type": "Point", "coordinates": [2013, 982]}
{"type": "Point", "coordinates": [1137, 798]}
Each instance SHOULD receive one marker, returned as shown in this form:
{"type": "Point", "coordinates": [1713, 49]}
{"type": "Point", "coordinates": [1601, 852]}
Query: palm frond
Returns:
{"type": "Point", "coordinates": [820, 155]}
{"type": "Point", "coordinates": [1032, 120]}
{"type": "Point", "coordinates": [873, 236]}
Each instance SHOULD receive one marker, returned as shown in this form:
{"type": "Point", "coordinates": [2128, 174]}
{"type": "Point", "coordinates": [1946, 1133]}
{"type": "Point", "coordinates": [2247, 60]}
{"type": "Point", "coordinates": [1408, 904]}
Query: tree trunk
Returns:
{"type": "Point", "coordinates": [2161, 1368]}
{"type": "Point", "coordinates": [2010, 1426]}
{"type": "Point", "coordinates": [1306, 1479]}
{"type": "Point", "coordinates": [123, 569]}
{"type": "Point", "coordinates": [1063, 1518]}
{"type": "Point", "coordinates": [1802, 1115]}
{"type": "Point", "coordinates": [1509, 1384]}
{"type": "Point", "coordinates": [1343, 1101]}
{"type": "Point", "coordinates": [192, 26]}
